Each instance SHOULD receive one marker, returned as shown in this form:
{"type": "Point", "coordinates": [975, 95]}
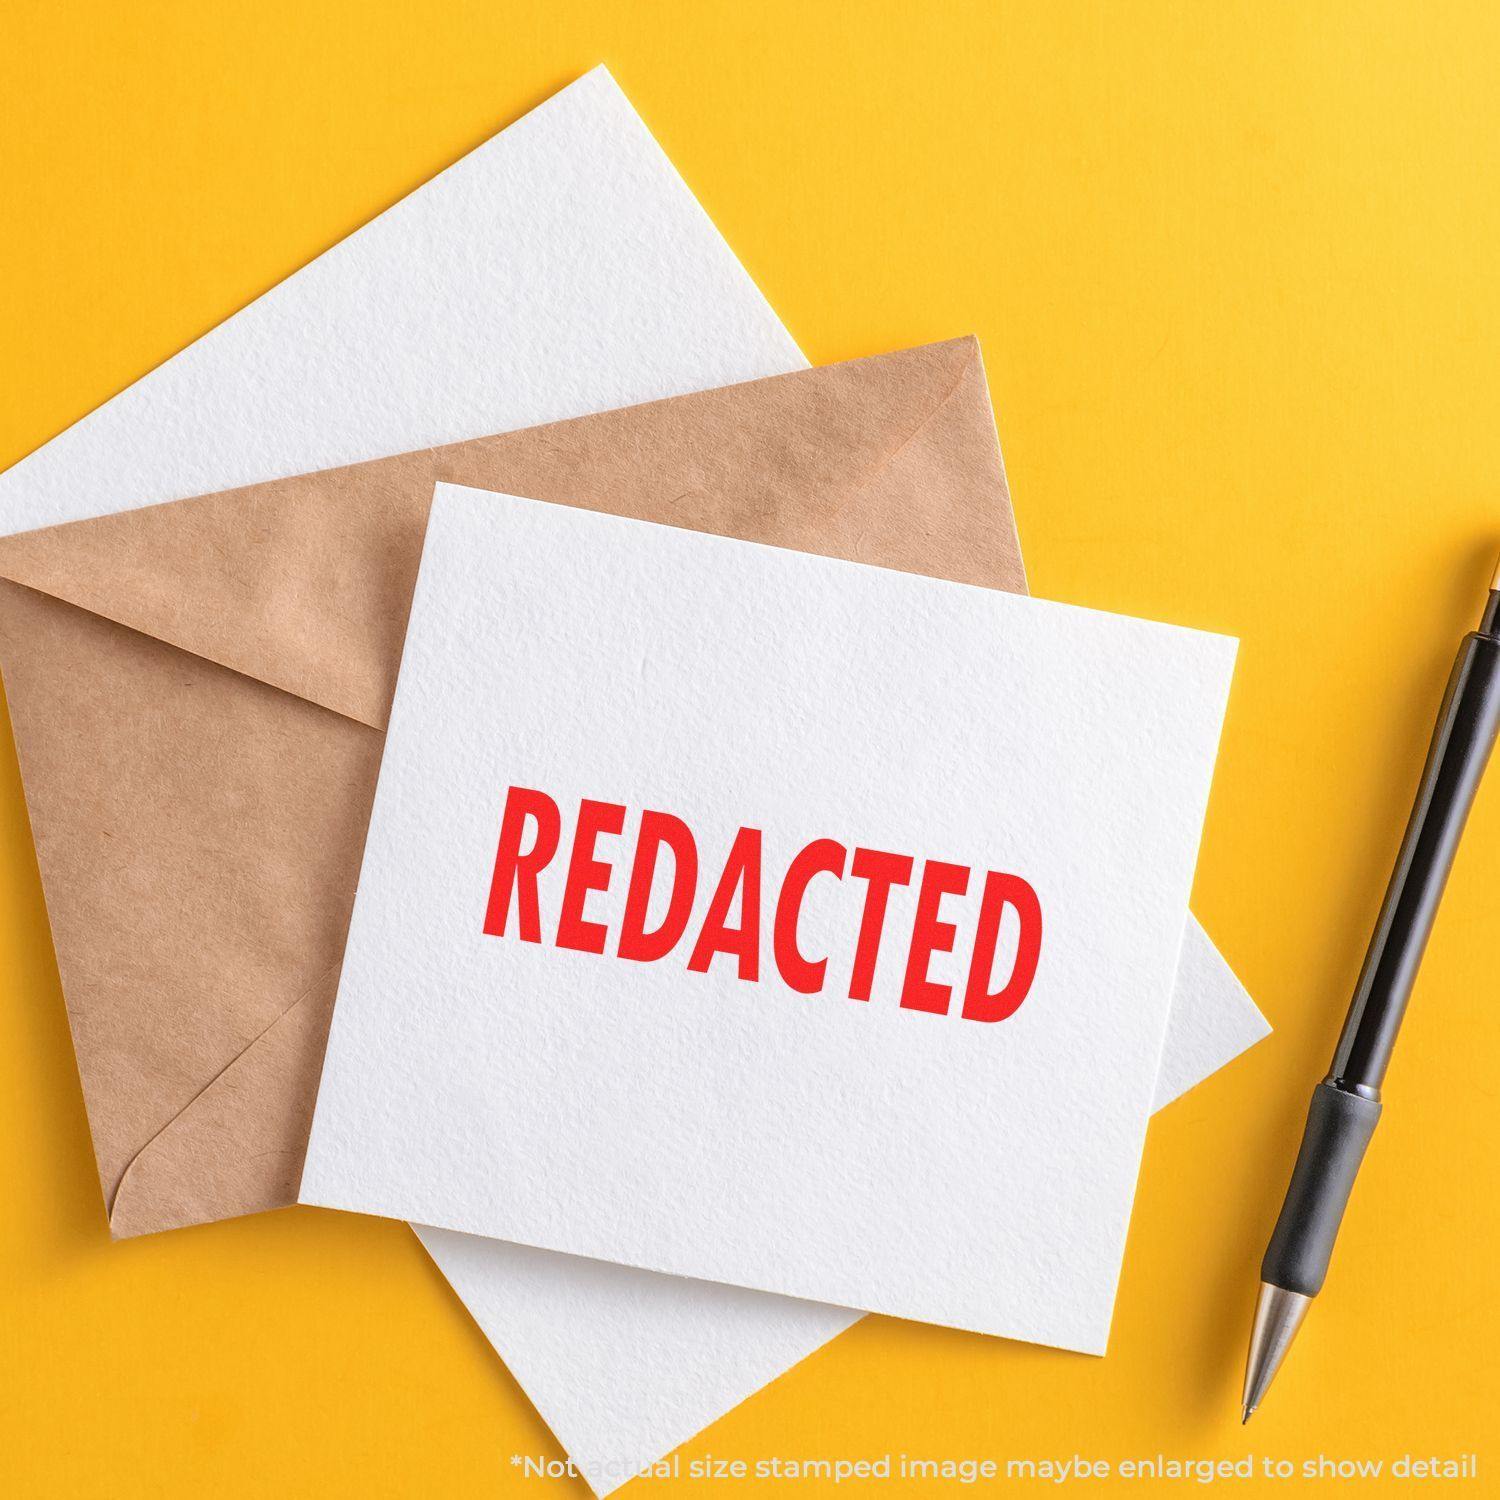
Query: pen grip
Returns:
{"type": "Point", "coordinates": [1339, 1127]}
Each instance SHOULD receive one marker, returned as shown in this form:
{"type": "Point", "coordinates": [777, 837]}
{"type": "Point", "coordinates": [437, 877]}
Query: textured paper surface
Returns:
{"type": "Point", "coordinates": [626, 1365]}
{"type": "Point", "coordinates": [561, 268]}
{"type": "Point", "coordinates": [720, 1123]}
{"type": "Point", "coordinates": [201, 422]}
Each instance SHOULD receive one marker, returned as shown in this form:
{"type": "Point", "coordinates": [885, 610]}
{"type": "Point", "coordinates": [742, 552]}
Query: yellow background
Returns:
{"type": "Point", "coordinates": [1235, 270]}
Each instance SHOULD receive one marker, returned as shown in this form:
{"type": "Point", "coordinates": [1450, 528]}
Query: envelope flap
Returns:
{"type": "Point", "coordinates": [305, 583]}
{"type": "Point", "coordinates": [287, 583]}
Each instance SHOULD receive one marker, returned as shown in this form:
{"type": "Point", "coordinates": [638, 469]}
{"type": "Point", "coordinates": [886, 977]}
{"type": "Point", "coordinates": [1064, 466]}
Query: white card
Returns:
{"type": "Point", "coordinates": [559, 269]}
{"type": "Point", "coordinates": [619, 1363]}
{"type": "Point", "coordinates": [768, 918]}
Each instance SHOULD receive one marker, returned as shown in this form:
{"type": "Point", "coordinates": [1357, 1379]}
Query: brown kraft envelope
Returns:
{"type": "Point", "coordinates": [198, 692]}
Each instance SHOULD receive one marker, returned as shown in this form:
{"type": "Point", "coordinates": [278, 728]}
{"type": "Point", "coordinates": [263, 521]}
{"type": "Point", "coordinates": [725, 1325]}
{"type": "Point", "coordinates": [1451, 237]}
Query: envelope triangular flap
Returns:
{"type": "Point", "coordinates": [199, 812]}
{"type": "Point", "coordinates": [305, 583]}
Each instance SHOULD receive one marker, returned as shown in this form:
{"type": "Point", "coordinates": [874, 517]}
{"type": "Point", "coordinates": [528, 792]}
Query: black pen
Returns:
{"type": "Point", "coordinates": [1346, 1105]}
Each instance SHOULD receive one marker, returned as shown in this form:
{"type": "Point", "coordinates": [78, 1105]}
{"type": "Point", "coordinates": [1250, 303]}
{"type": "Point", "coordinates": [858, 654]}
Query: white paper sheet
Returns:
{"type": "Point", "coordinates": [561, 268]}
{"type": "Point", "coordinates": [781, 976]}
{"type": "Point", "coordinates": [621, 1364]}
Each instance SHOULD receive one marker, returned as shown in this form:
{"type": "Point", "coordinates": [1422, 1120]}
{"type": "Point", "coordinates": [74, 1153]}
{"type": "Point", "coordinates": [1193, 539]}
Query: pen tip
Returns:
{"type": "Point", "coordinates": [1249, 1412]}
{"type": "Point", "coordinates": [1495, 580]}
